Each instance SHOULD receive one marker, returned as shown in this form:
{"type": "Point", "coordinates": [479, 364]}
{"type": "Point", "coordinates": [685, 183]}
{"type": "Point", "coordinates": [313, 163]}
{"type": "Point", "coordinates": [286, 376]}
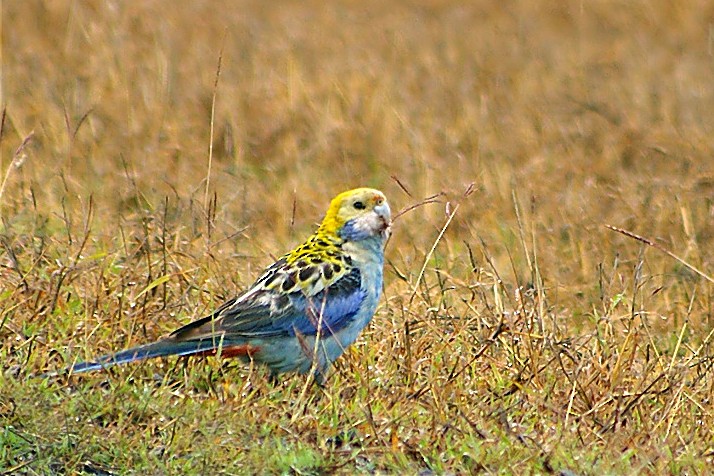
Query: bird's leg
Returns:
{"type": "Point", "coordinates": [319, 380]}
{"type": "Point", "coordinates": [273, 379]}
{"type": "Point", "coordinates": [320, 375]}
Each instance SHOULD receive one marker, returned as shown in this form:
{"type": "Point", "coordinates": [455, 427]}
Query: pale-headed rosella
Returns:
{"type": "Point", "coordinates": [304, 310]}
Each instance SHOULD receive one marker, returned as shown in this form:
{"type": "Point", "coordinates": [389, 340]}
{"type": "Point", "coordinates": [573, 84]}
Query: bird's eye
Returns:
{"type": "Point", "coordinates": [359, 205]}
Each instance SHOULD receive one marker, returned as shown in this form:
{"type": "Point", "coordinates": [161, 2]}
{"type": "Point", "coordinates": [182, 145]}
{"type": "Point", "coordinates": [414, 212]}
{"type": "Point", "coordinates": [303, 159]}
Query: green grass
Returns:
{"type": "Point", "coordinates": [517, 334]}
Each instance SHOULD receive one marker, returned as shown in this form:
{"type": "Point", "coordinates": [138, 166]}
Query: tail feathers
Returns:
{"type": "Point", "coordinates": [161, 348]}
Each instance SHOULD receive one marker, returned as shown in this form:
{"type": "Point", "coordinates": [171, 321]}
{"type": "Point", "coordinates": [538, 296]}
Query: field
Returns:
{"type": "Point", "coordinates": [157, 155]}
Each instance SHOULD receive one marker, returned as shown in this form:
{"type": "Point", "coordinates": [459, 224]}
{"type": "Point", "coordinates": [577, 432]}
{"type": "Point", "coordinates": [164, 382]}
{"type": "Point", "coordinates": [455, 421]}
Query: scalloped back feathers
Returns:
{"type": "Point", "coordinates": [321, 260]}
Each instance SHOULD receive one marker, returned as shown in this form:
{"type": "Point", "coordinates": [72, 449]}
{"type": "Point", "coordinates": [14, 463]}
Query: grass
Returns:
{"type": "Point", "coordinates": [517, 334]}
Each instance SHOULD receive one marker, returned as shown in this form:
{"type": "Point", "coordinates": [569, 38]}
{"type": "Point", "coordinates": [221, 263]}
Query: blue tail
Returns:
{"type": "Point", "coordinates": [161, 348]}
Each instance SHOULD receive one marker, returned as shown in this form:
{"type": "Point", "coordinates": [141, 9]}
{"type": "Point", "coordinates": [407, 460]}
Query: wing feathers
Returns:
{"type": "Point", "coordinates": [268, 313]}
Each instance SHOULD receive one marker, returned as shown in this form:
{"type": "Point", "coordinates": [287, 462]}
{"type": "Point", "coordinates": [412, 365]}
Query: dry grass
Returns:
{"type": "Point", "coordinates": [530, 339]}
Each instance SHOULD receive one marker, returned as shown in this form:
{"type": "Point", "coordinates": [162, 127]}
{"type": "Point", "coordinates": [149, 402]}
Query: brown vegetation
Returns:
{"type": "Point", "coordinates": [517, 333]}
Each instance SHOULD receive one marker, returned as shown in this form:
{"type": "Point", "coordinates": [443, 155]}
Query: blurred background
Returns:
{"type": "Point", "coordinates": [590, 112]}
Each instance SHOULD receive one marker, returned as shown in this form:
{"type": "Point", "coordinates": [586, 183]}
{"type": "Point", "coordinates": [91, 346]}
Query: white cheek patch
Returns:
{"type": "Point", "coordinates": [369, 224]}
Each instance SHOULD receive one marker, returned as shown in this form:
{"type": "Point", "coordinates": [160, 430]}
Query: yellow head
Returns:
{"type": "Point", "coordinates": [357, 214]}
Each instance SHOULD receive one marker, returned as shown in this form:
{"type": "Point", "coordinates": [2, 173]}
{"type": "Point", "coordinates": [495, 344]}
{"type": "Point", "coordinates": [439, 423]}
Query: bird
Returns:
{"type": "Point", "coordinates": [304, 310]}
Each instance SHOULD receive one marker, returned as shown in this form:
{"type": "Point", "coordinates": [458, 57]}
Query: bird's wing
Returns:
{"type": "Point", "coordinates": [286, 301]}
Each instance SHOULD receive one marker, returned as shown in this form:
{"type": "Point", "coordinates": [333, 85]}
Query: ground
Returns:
{"type": "Point", "coordinates": [157, 155]}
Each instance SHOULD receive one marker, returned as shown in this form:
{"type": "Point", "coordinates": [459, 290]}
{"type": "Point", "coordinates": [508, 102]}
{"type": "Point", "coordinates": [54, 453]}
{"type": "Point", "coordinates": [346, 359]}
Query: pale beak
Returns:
{"type": "Point", "coordinates": [382, 210]}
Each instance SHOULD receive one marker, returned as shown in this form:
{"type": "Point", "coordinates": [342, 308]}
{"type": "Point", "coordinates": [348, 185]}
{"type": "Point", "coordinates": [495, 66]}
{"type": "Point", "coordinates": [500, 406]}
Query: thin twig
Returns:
{"type": "Point", "coordinates": [401, 185]}
{"type": "Point", "coordinates": [431, 252]}
{"type": "Point", "coordinates": [426, 201]}
{"type": "Point", "coordinates": [662, 249]}
{"type": "Point", "coordinates": [15, 162]}
{"type": "Point", "coordinates": [213, 116]}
